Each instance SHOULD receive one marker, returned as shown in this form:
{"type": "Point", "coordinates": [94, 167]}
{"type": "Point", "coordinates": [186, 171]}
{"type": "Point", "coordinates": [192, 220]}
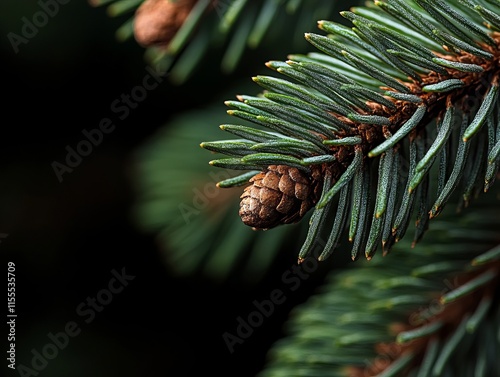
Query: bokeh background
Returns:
{"type": "Point", "coordinates": [66, 237]}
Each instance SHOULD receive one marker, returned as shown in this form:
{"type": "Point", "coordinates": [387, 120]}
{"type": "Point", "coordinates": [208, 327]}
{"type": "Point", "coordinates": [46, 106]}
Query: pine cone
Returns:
{"type": "Point", "coordinates": [157, 21]}
{"type": "Point", "coordinates": [279, 195]}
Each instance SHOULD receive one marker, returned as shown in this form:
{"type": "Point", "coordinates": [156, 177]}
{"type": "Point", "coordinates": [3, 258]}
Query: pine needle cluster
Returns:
{"type": "Point", "coordinates": [179, 36]}
{"type": "Point", "coordinates": [393, 117]}
{"type": "Point", "coordinates": [427, 313]}
{"type": "Point", "coordinates": [392, 123]}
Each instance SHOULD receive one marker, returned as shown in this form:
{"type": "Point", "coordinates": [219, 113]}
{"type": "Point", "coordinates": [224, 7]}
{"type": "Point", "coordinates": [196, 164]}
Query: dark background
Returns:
{"type": "Point", "coordinates": [66, 238]}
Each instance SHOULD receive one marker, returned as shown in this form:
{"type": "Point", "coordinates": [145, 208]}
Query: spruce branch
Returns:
{"type": "Point", "coordinates": [434, 312]}
{"type": "Point", "coordinates": [179, 35]}
{"type": "Point", "coordinates": [191, 220]}
{"type": "Point", "coordinates": [400, 111]}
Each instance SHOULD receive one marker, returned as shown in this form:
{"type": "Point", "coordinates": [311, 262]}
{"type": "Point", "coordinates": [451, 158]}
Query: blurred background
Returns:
{"type": "Point", "coordinates": [66, 237]}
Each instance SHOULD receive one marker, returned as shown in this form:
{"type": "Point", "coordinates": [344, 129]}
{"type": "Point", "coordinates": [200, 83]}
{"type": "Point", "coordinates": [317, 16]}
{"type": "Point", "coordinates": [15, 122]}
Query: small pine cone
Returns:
{"type": "Point", "coordinates": [279, 195]}
{"type": "Point", "coordinates": [157, 21]}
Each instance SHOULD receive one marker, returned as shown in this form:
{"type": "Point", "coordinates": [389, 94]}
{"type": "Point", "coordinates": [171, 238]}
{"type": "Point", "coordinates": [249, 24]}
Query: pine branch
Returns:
{"type": "Point", "coordinates": [432, 312]}
{"type": "Point", "coordinates": [179, 35]}
{"type": "Point", "coordinates": [394, 117]}
{"type": "Point", "coordinates": [190, 219]}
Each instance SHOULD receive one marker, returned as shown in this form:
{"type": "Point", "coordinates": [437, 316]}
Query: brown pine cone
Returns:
{"type": "Point", "coordinates": [279, 195]}
{"type": "Point", "coordinates": [157, 21]}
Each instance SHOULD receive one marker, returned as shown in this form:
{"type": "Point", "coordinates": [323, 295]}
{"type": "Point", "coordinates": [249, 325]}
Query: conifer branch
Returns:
{"type": "Point", "coordinates": [191, 220]}
{"type": "Point", "coordinates": [409, 93]}
{"type": "Point", "coordinates": [433, 312]}
{"type": "Point", "coordinates": [178, 35]}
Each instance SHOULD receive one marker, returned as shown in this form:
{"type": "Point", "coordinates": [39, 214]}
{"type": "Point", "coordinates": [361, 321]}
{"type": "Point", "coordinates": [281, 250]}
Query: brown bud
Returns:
{"type": "Point", "coordinates": [157, 21]}
{"type": "Point", "coordinates": [279, 195]}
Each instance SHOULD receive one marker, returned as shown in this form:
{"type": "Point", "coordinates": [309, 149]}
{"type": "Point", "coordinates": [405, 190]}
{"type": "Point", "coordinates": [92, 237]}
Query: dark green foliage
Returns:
{"type": "Point", "coordinates": [401, 114]}
{"type": "Point", "coordinates": [227, 28]}
{"type": "Point", "coordinates": [412, 290]}
{"type": "Point", "coordinates": [191, 219]}
{"type": "Point", "coordinates": [410, 91]}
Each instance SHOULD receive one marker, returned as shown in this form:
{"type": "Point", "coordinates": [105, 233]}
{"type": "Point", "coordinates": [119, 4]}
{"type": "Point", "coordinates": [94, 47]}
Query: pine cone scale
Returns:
{"type": "Point", "coordinates": [302, 191]}
{"type": "Point", "coordinates": [269, 197]}
{"type": "Point", "coordinates": [287, 186]}
{"type": "Point", "coordinates": [285, 205]}
{"type": "Point", "coordinates": [271, 180]}
{"type": "Point", "coordinates": [295, 174]}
